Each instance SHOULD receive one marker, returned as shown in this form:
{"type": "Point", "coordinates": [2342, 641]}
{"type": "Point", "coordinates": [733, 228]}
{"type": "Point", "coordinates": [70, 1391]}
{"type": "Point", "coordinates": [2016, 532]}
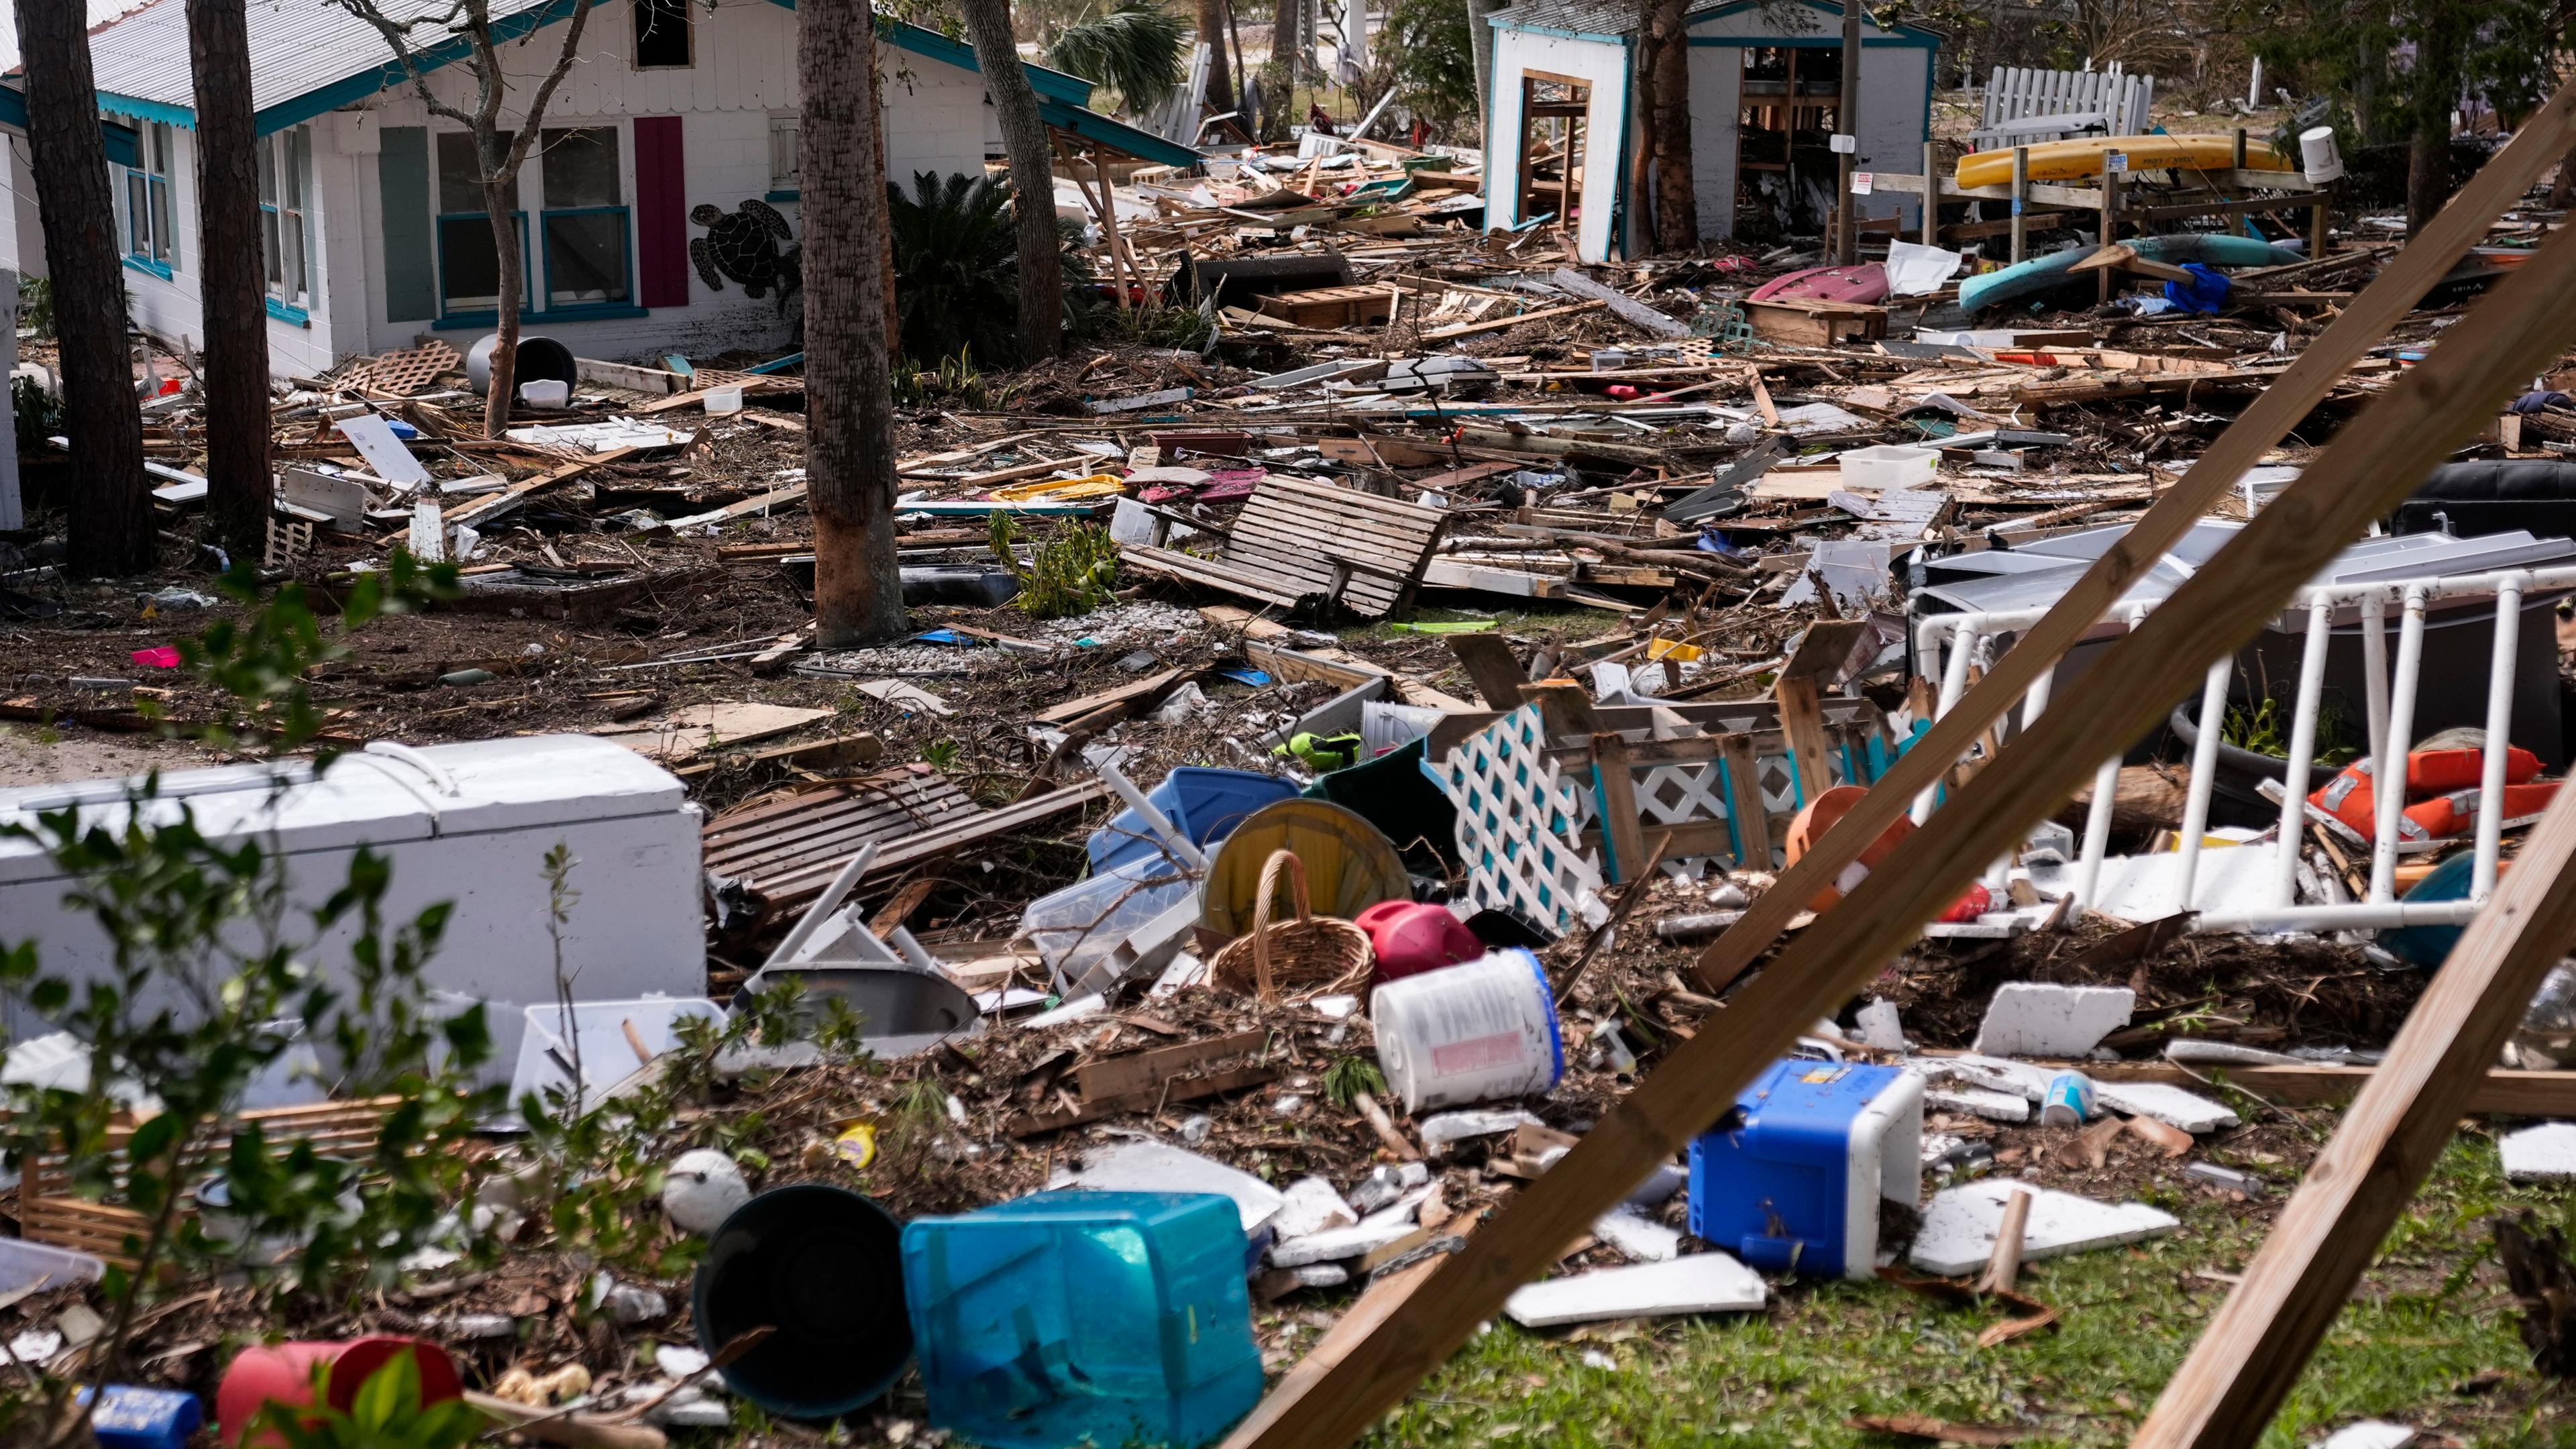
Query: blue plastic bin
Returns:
{"type": "Point", "coordinates": [1206, 804]}
{"type": "Point", "coordinates": [1117, 1317]}
{"type": "Point", "coordinates": [133, 1417]}
{"type": "Point", "coordinates": [1795, 1185]}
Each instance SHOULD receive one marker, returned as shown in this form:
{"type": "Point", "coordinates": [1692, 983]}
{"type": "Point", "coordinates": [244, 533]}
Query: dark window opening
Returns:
{"type": "Point", "coordinates": [661, 34]}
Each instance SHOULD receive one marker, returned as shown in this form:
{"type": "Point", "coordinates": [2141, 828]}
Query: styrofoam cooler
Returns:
{"type": "Point", "coordinates": [1795, 1183]}
{"type": "Point", "coordinates": [1480, 1031]}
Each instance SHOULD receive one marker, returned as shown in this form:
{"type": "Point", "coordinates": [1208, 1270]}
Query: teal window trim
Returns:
{"type": "Point", "coordinates": [1801, 42]}
{"type": "Point", "coordinates": [148, 266]}
{"type": "Point", "coordinates": [293, 316]}
{"type": "Point", "coordinates": [438, 240]}
{"type": "Point", "coordinates": [626, 230]}
{"type": "Point", "coordinates": [790, 194]}
{"type": "Point", "coordinates": [607, 312]}
{"type": "Point", "coordinates": [280, 154]}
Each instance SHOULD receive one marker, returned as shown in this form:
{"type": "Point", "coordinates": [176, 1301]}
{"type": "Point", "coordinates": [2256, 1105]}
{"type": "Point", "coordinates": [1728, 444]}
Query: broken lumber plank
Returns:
{"type": "Point", "coordinates": [1498, 324]}
{"type": "Point", "coordinates": [1491, 667]}
{"type": "Point", "coordinates": [2260, 1340]}
{"type": "Point", "coordinates": [1132, 693]}
{"type": "Point", "coordinates": [1178, 1089]}
{"type": "Point", "coordinates": [1124, 1076]}
{"type": "Point", "coordinates": [492, 506]}
{"type": "Point", "coordinates": [2269, 418]}
{"type": "Point", "coordinates": [838, 752]}
{"type": "Point", "coordinates": [2369, 467]}
{"type": "Point", "coordinates": [2502, 1090]}
{"type": "Point", "coordinates": [1625, 308]}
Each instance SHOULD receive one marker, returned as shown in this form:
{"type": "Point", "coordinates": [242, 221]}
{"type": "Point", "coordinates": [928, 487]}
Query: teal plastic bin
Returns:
{"type": "Point", "coordinates": [1114, 1317]}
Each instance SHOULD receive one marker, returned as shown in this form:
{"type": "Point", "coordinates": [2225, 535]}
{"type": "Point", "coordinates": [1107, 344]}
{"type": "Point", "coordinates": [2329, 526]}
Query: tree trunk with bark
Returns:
{"type": "Point", "coordinates": [1024, 141]}
{"type": "Point", "coordinates": [239, 487]}
{"type": "Point", "coordinates": [1289, 45]}
{"type": "Point", "coordinates": [1669, 121]}
{"type": "Point", "coordinates": [1220, 86]}
{"type": "Point", "coordinates": [500, 204]}
{"type": "Point", "coordinates": [111, 512]}
{"type": "Point", "coordinates": [849, 403]}
{"type": "Point", "coordinates": [2428, 174]}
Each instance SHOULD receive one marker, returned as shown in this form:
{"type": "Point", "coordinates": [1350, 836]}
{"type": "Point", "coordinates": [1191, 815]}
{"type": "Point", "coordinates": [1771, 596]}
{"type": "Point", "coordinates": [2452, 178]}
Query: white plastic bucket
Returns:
{"type": "Point", "coordinates": [1480, 1031]}
{"type": "Point", "coordinates": [545, 392]}
{"type": "Point", "coordinates": [2318, 157]}
{"type": "Point", "coordinates": [722, 400]}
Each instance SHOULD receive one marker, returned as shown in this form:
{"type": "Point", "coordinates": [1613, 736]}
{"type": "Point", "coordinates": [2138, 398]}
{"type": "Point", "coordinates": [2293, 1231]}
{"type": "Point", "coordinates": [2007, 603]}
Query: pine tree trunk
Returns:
{"type": "Point", "coordinates": [1220, 86]}
{"type": "Point", "coordinates": [500, 203]}
{"type": "Point", "coordinates": [2428, 174]}
{"type": "Point", "coordinates": [849, 405]}
{"type": "Point", "coordinates": [1289, 45]}
{"type": "Point", "coordinates": [229, 257]}
{"type": "Point", "coordinates": [111, 513]}
{"type": "Point", "coordinates": [1024, 140]}
{"type": "Point", "coordinates": [1668, 111]}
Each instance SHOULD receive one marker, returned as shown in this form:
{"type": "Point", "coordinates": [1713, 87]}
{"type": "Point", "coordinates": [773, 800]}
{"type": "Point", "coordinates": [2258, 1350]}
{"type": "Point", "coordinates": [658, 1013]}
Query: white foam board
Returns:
{"type": "Point", "coordinates": [1701, 1283]}
{"type": "Point", "coordinates": [2183, 1108]}
{"type": "Point", "coordinates": [1977, 1102]}
{"type": "Point", "coordinates": [1959, 1228]}
{"type": "Point", "coordinates": [1161, 1167]}
{"type": "Point", "coordinates": [2541, 1153]}
{"type": "Point", "coordinates": [1638, 1236]}
{"type": "Point", "coordinates": [2040, 1019]}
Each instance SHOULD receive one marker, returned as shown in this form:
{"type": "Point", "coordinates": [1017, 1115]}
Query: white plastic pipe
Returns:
{"type": "Point", "coordinates": [2388, 915]}
{"type": "Point", "coordinates": [2374, 669]}
{"type": "Point", "coordinates": [2388, 765]}
{"type": "Point", "coordinates": [2097, 831]}
{"type": "Point", "coordinates": [2204, 773]}
{"type": "Point", "coordinates": [2500, 672]}
{"type": "Point", "coordinates": [1954, 682]}
{"type": "Point", "coordinates": [2303, 752]}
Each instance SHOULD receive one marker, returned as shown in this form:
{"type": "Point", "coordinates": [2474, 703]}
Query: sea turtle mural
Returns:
{"type": "Point", "coordinates": [745, 244]}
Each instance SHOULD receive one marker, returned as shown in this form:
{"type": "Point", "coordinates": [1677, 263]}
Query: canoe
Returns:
{"type": "Point", "coordinates": [1861, 285]}
{"type": "Point", "coordinates": [2072, 160]}
{"type": "Point", "coordinates": [2041, 273]}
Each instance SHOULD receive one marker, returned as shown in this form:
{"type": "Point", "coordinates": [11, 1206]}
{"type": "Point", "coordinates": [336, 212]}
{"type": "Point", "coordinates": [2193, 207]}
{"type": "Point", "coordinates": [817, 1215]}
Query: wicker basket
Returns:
{"type": "Point", "coordinates": [1310, 955]}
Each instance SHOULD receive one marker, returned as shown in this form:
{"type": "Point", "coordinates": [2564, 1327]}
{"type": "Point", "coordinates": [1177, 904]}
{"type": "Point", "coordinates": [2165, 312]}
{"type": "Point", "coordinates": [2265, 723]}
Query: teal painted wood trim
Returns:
{"type": "Point", "coordinates": [149, 268]}
{"type": "Point", "coordinates": [124, 144]}
{"type": "Point", "coordinates": [1117, 135]}
{"type": "Point", "coordinates": [295, 110]}
{"type": "Point", "coordinates": [782, 197]}
{"type": "Point", "coordinates": [143, 110]}
{"type": "Point", "coordinates": [904, 35]}
{"type": "Point", "coordinates": [280, 312]}
{"type": "Point", "coordinates": [467, 321]}
{"type": "Point", "coordinates": [402, 182]}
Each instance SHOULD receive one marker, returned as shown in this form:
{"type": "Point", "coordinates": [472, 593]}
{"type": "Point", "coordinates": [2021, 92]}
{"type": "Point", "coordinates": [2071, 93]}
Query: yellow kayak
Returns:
{"type": "Point", "coordinates": [2069, 160]}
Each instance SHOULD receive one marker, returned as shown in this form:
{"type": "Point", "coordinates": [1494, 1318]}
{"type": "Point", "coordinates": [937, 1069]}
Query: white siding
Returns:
{"type": "Point", "coordinates": [1716, 94]}
{"type": "Point", "coordinates": [1602, 63]}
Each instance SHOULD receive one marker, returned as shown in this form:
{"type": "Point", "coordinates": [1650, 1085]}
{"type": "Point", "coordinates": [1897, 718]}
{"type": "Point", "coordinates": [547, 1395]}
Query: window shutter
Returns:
{"type": "Point", "coordinates": [402, 175]}
{"type": "Point", "coordinates": [661, 213]}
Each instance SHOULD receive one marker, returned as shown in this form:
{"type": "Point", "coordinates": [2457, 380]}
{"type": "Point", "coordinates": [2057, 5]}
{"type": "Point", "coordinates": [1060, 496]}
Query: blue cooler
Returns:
{"type": "Point", "coordinates": [1795, 1185]}
{"type": "Point", "coordinates": [1203, 803]}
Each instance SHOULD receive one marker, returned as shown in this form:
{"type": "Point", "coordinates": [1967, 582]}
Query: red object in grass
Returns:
{"type": "Point", "coordinates": [283, 1374]}
{"type": "Point", "coordinates": [164, 656]}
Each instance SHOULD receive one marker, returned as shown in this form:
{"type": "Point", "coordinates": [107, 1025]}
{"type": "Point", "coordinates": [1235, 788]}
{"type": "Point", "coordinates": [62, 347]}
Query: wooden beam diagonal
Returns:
{"type": "Point", "coordinates": [2372, 465]}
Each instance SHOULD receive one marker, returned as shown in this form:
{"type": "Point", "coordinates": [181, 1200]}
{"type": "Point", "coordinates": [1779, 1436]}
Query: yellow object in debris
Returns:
{"type": "Point", "coordinates": [1672, 649]}
{"type": "Point", "coordinates": [1058, 489]}
{"type": "Point", "coordinates": [858, 1146]}
{"type": "Point", "coordinates": [2072, 160]}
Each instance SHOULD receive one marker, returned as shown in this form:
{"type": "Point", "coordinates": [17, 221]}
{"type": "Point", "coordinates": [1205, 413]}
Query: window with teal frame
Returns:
{"type": "Point", "coordinates": [588, 262]}
{"type": "Point", "coordinates": [151, 236]}
{"type": "Point", "coordinates": [285, 227]}
{"type": "Point", "coordinates": [469, 264]}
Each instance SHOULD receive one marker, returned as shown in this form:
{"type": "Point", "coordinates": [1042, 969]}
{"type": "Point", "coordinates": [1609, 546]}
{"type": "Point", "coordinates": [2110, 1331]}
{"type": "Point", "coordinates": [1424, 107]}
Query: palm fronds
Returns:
{"type": "Point", "coordinates": [1135, 48]}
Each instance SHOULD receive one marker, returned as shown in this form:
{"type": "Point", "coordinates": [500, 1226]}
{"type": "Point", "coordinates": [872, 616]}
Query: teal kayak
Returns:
{"type": "Point", "coordinates": [2041, 273]}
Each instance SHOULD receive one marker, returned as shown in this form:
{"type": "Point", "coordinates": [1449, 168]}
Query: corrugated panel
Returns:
{"type": "Point", "coordinates": [297, 47]}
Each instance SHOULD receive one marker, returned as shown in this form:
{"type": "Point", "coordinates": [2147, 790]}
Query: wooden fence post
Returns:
{"type": "Point", "coordinates": [2020, 204]}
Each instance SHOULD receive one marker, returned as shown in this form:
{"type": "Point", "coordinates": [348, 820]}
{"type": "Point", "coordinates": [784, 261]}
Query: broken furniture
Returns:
{"type": "Point", "coordinates": [1298, 544]}
{"type": "Point", "coordinates": [463, 823]}
{"type": "Point", "coordinates": [1326, 308]}
{"type": "Point", "coordinates": [786, 846]}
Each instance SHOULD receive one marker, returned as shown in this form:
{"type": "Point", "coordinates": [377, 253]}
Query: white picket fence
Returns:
{"type": "Point", "coordinates": [2027, 106]}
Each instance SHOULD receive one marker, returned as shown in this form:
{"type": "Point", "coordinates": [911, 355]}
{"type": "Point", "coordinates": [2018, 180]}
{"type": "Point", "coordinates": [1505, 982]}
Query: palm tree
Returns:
{"type": "Point", "coordinates": [1134, 48]}
{"type": "Point", "coordinates": [955, 247]}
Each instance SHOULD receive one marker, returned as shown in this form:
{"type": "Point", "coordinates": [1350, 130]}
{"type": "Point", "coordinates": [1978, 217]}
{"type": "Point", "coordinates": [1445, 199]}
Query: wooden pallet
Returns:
{"type": "Point", "coordinates": [1296, 543]}
{"type": "Point", "coordinates": [1810, 322]}
{"type": "Point", "coordinates": [1327, 308]}
{"type": "Point", "coordinates": [788, 846]}
{"type": "Point", "coordinates": [51, 1211]}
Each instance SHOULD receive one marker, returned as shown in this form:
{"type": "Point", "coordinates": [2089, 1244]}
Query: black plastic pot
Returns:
{"type": "Point", "coordinates": [824, 1267]}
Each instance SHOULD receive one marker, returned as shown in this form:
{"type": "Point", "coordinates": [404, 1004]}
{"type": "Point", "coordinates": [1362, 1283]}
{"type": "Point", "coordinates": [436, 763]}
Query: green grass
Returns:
{"type": "Point", "coordinates": [2432, 1315]}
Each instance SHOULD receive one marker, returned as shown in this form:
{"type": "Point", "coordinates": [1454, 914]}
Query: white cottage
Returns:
{"type": "Point", "coordinates": [1561, 138]}
{"type": "Point", "coordinates": [677, 124]}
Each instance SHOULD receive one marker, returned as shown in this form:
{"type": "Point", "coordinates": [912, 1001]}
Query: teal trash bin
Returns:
{"type": "Point", "coordinates": [1114, 1317]}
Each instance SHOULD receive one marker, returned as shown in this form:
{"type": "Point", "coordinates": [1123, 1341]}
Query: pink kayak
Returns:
{"type": "Point", "coordinates": [1860, 285]}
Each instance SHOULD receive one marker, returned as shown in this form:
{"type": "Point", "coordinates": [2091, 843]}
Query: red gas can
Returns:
{"type": "Point", "coordinates": [1411, 938]}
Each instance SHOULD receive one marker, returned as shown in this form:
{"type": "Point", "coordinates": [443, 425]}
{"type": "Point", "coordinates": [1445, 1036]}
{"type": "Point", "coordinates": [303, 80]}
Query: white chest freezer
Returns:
{"type": "Point", "coordinates": [468, 824]}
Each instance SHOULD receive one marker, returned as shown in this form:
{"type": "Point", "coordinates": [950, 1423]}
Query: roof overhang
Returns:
{"type": "Point", "coordinates": [123, 144]}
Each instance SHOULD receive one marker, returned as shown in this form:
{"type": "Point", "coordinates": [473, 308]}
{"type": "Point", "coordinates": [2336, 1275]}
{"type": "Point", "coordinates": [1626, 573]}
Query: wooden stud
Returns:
{"type": "Point", "coordinates": [2020, 204]}
{"type": "Point", "coordinates": [1744, 801]}
{"type": "Point", "coordinates": [2370, 466]}
{"type": "Point", "coordinates": [1613, 773]}
{"type": "Point", "coordinates": [2110, 230]}
{"type": "Point", "coordinates": [2254, 1349]}
{"type": "Point", "coordinates": [2320, 224]}
{"type": "Point", "coordinates": [1490, 667]}
{"type": "Point", "coordinates": [2318, 369]}
{"type": "Point", "coordinates": [1802, 719]}
{"type": "Point", "coordinates": [1931, 193]}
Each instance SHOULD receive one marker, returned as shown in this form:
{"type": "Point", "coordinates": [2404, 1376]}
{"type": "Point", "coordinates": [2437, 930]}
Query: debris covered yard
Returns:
{"type": "Point", "coordinates": [1381, 730]}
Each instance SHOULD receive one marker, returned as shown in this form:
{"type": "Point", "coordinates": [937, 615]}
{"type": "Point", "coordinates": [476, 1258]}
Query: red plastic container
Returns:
{"type": "Point", "coordinates": [283, 1374]}
{"type": "Point", "coordinates": [1411, 938]}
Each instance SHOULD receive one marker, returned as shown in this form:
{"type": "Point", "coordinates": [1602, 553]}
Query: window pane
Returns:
{"type": "Point", "coordinates": [163, 145]}
{"type": "Point", "coordinates": [268, 246]}
{"type": "Point", "coordinates": [460, 176]}
{"type": "Point", "coordinates": [469, 267]}
{"type": "Point", "coordinates": [268, 171]}
{"type": "Point", "coordinates": [661, 32]}
{"type": "Point", "coordinates": [585, 259]}
{"type": "Point", "coordinates": [138, 215]}
{"type": "Point", "coordinates": [291, 227]}
{"type": "Point", "coordinates": [299, 164]}
{"type": "Point", "coordinates": [783, 164]}
{"type": "Point", "coordinates": [581, 168]}
{"type": "Point", "coordinates": [164, 244]}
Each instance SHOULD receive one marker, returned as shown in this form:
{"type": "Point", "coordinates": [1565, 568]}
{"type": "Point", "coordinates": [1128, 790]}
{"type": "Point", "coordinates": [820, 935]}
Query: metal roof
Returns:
{"type": "Point", "coordinates": [1596, 19]}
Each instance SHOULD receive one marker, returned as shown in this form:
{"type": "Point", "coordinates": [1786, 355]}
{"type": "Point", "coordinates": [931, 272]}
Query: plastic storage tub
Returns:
{"type": "Point", "coordinates": [1795, 1186]}
{"type": "Point", "coordinates": [1889, 466]}
{"type": "Point", "coordinates": [1113, 1317]}
{"type": "Point", "coordinates": [1206, 804]}
{"type": "Point", "coordinates": [1080, 925]}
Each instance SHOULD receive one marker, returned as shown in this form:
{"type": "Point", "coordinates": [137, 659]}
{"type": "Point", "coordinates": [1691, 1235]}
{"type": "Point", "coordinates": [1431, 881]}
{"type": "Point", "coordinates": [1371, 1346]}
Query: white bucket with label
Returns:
{"type": "Point", "coordinates": [1480, 1031]}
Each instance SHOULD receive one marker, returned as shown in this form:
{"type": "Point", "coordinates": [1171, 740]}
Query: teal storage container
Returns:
{"type": "Point", "coordinates": [1114, 1317]}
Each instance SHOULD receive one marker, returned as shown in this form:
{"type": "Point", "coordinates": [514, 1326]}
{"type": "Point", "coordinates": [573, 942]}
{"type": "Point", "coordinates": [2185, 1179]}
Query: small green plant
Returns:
{"type": "Point", "coordinates": [1153, 325]}
{"type": "Point", "coordinates": [1349, 1076]}
{"type": "Point", "coordinates": [1074, 572]}
{"type": "Point", "coordinates": [36, 306]}
{"type": "Point", "coordinates": [953, 380]}
{"type": "Point", "coordinates": [2258, 729]}
{"type": "Point", "coordinates": [942, 754]}
{"type": "Point", "coordinates": [385, 1414]}
{"type": "Point", "coordinates": [39, 413]}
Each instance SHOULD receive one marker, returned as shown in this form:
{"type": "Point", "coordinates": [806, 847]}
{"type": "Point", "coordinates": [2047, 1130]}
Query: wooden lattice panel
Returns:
{"type": "Point", "coordinates": [1520, 822]}
{"type": "Point", "coordinates": [407, 372]}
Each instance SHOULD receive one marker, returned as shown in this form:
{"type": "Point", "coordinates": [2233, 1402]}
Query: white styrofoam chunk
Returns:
{"type": "Point", "coordinates": [1335, 1244]}
{"type": "Point", "coordinates": [1958, 1234]}
{"type": "Point", "coordinates": [2538, 1153]}
{"type": "Point", "coordinates": [2027, 1079]}
{"type": "Point", "coordinates": [1880, 1025]}
{"type": "Point", "coordinates": [1659, 1186]}
{"type": "Point", "coordinates": [1161, 1167]}
{"type": "Point", "coordinates": [1311, 1206]}
{"type": "Point", "coordinates": [2039, 1019]}
{"type": "Point", "coordinates": [2370, 1434]}
{"type": "Point", "coordinates": [1638, 1236]}
{"type": "Point", "coordinates": [1701, 1283]}
{"type": "Point", "coordinates": [2187, 1110]}
{"type": "Point", "coordinates": [1993, 1106]}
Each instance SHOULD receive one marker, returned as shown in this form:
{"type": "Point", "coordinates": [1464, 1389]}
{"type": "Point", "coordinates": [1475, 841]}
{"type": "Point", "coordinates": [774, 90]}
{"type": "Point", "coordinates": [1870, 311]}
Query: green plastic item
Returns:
{"type": "Point", "coordinates": [1445, 626]}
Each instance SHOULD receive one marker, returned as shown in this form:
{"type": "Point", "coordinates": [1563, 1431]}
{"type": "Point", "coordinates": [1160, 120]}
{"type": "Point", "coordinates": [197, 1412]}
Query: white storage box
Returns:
{"type": "Point", "coordinates": [1889, 467]}
{"type": "Point", "coordinates": [467, 823]}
